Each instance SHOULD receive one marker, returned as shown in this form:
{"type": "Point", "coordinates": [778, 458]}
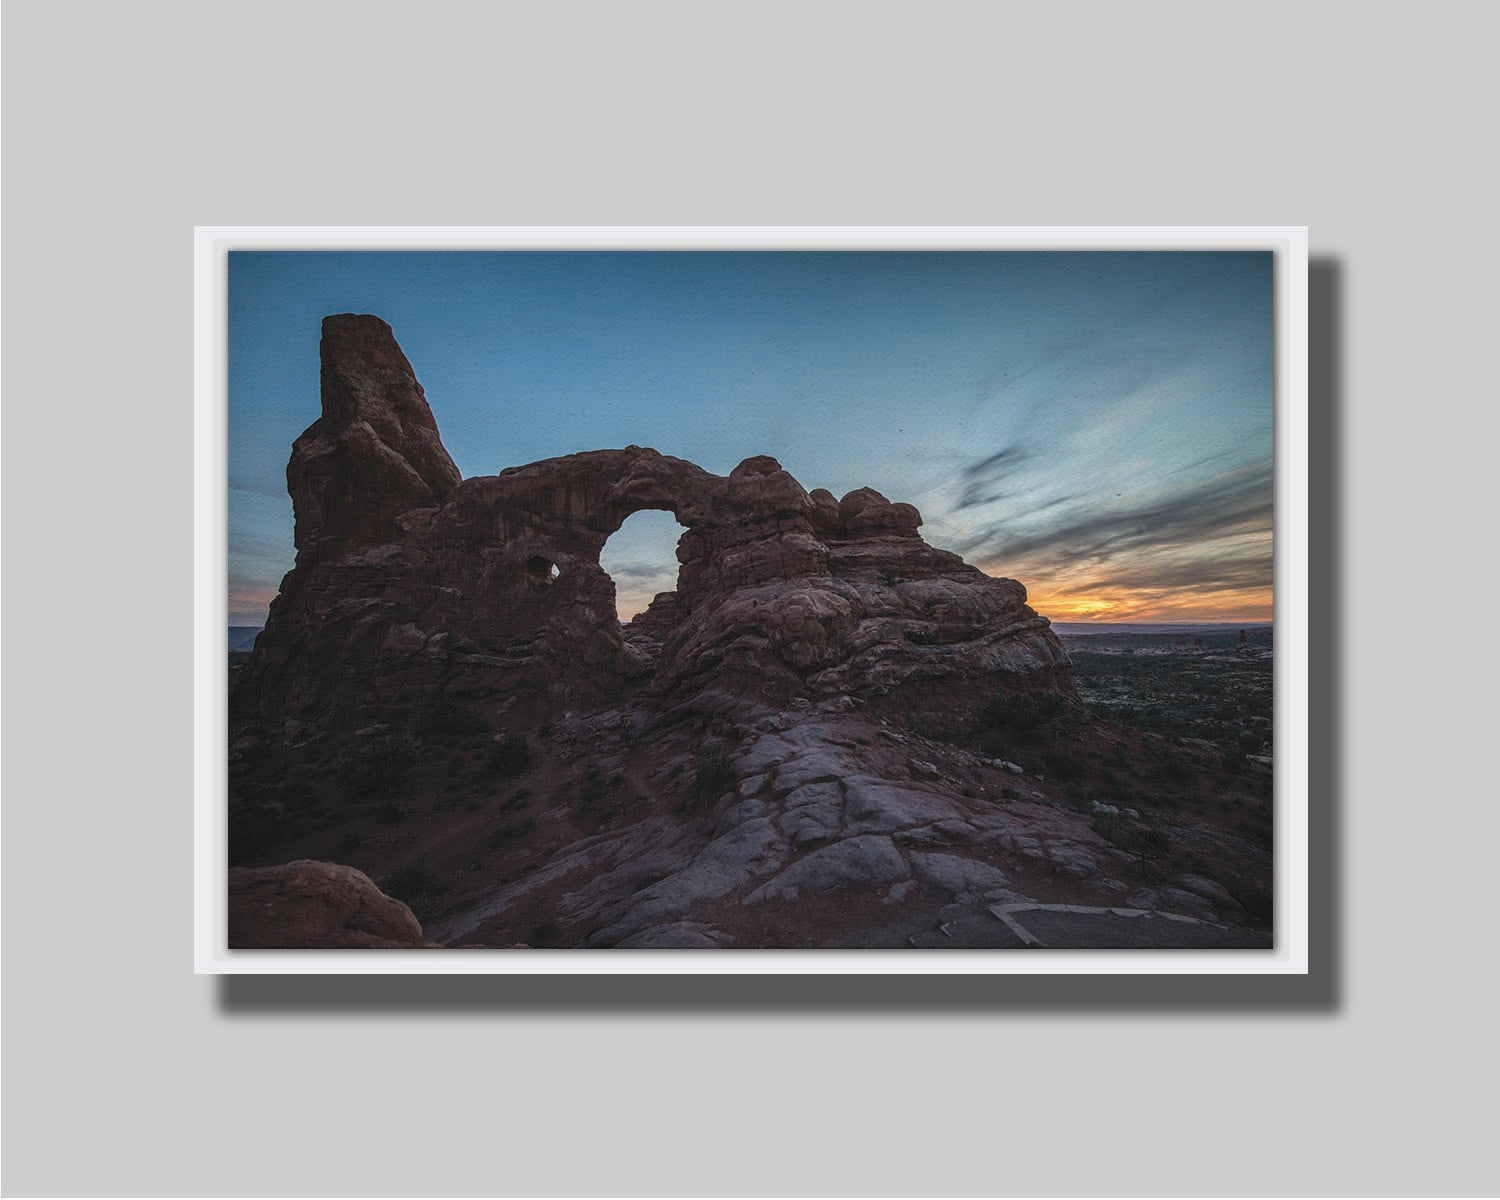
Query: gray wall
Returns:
{"type": "Point", "coordinates": [125, 124]}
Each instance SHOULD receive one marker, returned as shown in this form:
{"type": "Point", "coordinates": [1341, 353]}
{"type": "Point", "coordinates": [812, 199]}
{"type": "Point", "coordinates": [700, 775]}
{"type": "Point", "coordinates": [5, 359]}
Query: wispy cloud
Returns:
{"type": "Point", "coordinates": [637, 571]}
{"type": "Point", "coordinates": [982, 481]}
{"type": "Point", "coordinates": [1231, 502]}
{"type": "Point", "coordinates": [1208, 535]}
{"type": "Point", "coordinates": [1215, 568]}
{"type": "Point", "coordinates": [258, 488]}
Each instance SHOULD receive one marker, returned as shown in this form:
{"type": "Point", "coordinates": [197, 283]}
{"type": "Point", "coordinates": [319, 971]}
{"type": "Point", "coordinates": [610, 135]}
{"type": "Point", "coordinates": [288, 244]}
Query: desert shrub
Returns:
{"type": "Point", "coordinates": [349, 841]}
{"type": "Point", "coordinates": [1009, 793]}
{"type": "Point", "coordinates": [380, 766]}
{"type": "Point", "coordinates": [510, 754]}
{"type": "Point", "coordinates": [715, 776]}
{"type": "Point", "coordinates": [590, 789]}
{"type": "Point", "coordinates": [1254, 898]}
{"type": "Point", "coordinates": [1024, 717]}
{"type": "Point", "coordinates": [994, 744]}
{"type": "Point", "coordinates": [1111, 829]}
{"type": "Point", "coordinates": [1064, 766]}
{"type": "Point", "coordinates": [251, 831]}
{"type": "Point", "coordinates": [409, 883]}
{"type": "Point", "coordinates": [1174, 770]}
{"type": "Point", "coordinates": [508, 833]}
{"type": "Point", "coordinates": [437, 718]}
{"type": "Point", "coordinates": [390, 811]}
{"type": "Point", "coordinates": [1258, 830]}
{"type": "Point", "coordinates": [1154, 841]}
{"type": "Point", "coordinates": [518, 801]}
{"type": "Point", "coordinates": [1151, 843]}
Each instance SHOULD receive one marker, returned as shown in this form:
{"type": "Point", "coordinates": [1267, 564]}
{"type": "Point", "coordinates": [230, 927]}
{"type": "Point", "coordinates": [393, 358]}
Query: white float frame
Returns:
{"type": "Point", "coordinates": [1290, 955]}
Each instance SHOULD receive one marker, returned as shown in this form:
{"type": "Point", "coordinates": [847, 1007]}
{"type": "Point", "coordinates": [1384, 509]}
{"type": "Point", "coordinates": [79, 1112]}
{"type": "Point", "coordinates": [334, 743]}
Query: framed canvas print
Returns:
{"type": "Point", "coordinates": [751, 600]}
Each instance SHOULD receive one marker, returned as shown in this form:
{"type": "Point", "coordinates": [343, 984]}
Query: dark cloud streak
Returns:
{"type": "Point", "coordinates": [1193, 537]}
{"type": "Point", "coordinates": [983, 477]}
{"type": "Point", "coordinates": [639, 571]}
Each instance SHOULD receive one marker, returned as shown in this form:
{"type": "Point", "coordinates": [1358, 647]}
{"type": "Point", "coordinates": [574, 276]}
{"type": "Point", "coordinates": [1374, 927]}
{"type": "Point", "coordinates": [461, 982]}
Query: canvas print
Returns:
{"type": "Point", "coordinates": [736, 600]}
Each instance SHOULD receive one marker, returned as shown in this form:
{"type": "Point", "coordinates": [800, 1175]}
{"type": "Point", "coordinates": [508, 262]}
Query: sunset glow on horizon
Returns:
{"type": "Point", "coordinates": [1148, 607]}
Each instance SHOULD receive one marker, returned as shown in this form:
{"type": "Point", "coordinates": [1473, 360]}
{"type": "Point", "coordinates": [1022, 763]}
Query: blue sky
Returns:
{"type": "Point", "coordinates": [1096, 425]}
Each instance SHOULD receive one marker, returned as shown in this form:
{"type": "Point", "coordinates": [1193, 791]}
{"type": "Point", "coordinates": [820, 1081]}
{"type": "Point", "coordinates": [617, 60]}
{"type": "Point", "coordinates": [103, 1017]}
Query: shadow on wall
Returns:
{"type": "Point", "coordinates": [1320, 991]}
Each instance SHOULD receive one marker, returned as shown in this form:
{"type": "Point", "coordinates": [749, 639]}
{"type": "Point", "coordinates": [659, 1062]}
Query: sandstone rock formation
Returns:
{"type": "Point", "coordinates": [315, 906]}
{"type": "Point", "coordinates": [490, 591]}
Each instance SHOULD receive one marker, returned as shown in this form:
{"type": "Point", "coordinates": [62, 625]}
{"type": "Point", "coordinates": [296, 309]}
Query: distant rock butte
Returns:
{"type": "Point", "coordinates": [410, 579]}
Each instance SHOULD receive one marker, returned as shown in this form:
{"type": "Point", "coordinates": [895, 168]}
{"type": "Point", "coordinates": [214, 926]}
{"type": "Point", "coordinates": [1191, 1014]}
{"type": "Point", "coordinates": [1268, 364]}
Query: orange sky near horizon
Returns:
{"type": "Point", "coordinates": [1058, 601]}
{"type": "Point", "coordinates": [1145, 605]}
{"type": "Point", "coordinates": [1127, 592]}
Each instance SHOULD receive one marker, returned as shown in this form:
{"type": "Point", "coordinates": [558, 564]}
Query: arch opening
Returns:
{"type": "Point", "coordinates": [641, 558]}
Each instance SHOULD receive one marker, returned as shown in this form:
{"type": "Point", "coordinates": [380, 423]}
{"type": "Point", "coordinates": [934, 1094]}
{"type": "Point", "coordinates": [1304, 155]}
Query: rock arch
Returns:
{"type": "Point", "coordinates": [491, 588]}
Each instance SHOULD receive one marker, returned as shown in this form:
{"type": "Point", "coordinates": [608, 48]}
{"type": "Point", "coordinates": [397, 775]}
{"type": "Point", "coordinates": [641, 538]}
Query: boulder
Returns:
{"type": "Point", "coordinates": [1215, 893]}
{"type": "Point", "coordinates": [310, 905]}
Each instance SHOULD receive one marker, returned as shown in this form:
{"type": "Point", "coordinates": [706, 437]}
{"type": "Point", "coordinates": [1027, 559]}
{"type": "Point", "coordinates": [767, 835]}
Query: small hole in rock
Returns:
{"type": "Point", "coordinates": [543, 568]}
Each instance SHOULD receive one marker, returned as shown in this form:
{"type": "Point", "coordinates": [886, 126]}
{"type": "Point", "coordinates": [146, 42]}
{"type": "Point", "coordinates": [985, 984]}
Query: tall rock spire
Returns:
{"type": "Point", "coordinates": [375, 452]}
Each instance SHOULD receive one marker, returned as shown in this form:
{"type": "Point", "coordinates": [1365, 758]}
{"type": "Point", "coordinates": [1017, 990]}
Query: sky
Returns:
{"type": "Point", "coordinates": [1094, 424]}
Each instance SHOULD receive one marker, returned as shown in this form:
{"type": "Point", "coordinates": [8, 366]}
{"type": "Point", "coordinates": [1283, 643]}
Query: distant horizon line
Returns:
{"type": "Point", "coordinates": [1246, 624]}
